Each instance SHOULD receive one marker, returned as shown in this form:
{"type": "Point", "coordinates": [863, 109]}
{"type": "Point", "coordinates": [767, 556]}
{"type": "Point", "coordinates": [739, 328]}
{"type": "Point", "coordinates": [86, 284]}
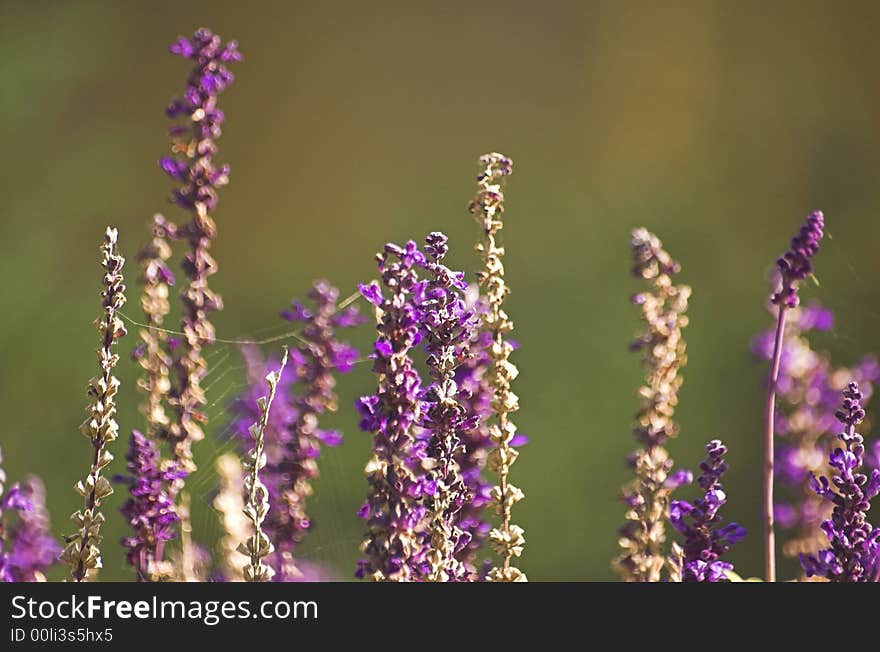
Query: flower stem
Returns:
{"type": "Point", "coordinates": [769, 434]}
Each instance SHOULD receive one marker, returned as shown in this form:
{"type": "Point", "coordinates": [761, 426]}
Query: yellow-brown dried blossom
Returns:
{"type": "Point", "coordinates": [229, 504]}
{"type": "Point", "coordinates": [643, 537]}
{"type": "Point", "coordinates": [488, 207]}
{"type": "Point", "coordinates": [81, 551]}
{"type": "Point", "coordinates": [153, 356]}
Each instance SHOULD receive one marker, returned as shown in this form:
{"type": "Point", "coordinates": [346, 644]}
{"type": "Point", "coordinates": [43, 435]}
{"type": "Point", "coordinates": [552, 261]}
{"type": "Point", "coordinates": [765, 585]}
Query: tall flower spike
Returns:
{"type": "Point", "coordinates": [395, 546]}
{"type": "Point", "coordinates": [152, 353]}
{"type": "Point", "coordinates": [258, 546]}
{"type": "Point", "coordinates": [320, 356]}
{"type": "Point", "coordinates": [472, 377]}
{"type": "Point", "coordinates": [808, 395]}
{"type": "Point", "coordinates": [488, 209]}
{"type": "Point", "coordinates": [854, 552]}
{"type": "Point", "coordinates": [100, 428]}
{"type": "Point", "coordinates": [663, 306]}
{"type": "Point", "coordinates": [794, 266]}
{"type": "Point", "coordinates": [705, 539]}
{"type": "Point", "coordinates": [448, 328]}
{"type": "Point", "coordinates": [149, 509]}
{"type": "Point", "coordinates": [229, 504]}
{"type": "Point", "coordinates": [197, 127]}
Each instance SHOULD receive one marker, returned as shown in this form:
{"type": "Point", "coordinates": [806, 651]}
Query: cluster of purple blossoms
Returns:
{"type": "Point", "coordinates": [395, 545]}
{"type": "Point", "coordinates": [194, 138]}
{"type": "Point", "coordinates": [317, 361]}
{"type": "Point", "coordinates": [795, 265]}
{"type": "Point", "coordinates": [293, 438]}
{"type": "Point", "coordinates": [448, 327]}
{"type": "Point", "coordinates": [149, 509]}
{"type": "Point", "coordinates": [194, 134]}
{"type": "Point", "coordinates": [854, 552]}
{"type": "Point", "coordinates": [705, 538]}
{"type": "Point", "coordinates": [808, 388]}
{"type": "Point", "coordinates": [27, 549]}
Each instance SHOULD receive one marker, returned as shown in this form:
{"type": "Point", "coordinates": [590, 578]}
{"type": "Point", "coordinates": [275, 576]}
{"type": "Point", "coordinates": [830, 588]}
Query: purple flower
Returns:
{"type": "Point", "coordinates": [854, 544]}
{"type": "Point", "coordinates": [293, 438]}
{"type": "Point", "coordinates": [192, 166]}
{"type": "Point", "coordinates": [705, 538]}
{"type": "Point", "coordinates": [808, 390]}
{"type": "Point", "coordinates": [149, 509]}
{"type": "Point", "coordinates": [795, 264]}
{"type": "Point", "coordinates": [395, 548]}
{"type": "Point", "coordinates": [27, 548]}
{"type": "Point", "coordinates": [320, 357]}
{"type": "Point", "coordinates": [448, 328]}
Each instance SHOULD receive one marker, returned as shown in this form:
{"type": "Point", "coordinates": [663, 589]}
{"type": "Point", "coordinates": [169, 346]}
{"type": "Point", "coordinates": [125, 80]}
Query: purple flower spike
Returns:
{"type": "Point", "coordinates": [705, 539]}
{"type": "Point", "coordinates": [197, 126]}
{"type": "Point", "coordinates": [27, 549]}
{"type": "Point", "coordinates": [293, 437]}
{"type": "Point", "coordinates": [854, 552]}
{"type": "Point", "coordinates": [318, 360]}
{"type": "Point", "coordinates": [395, 545]}
{"type": "Point", "coordinates": [448, 327]}
{"type": "Point", "coordinates": [149, 510]}
{"type": "Point", "coordinates": [795, 264]}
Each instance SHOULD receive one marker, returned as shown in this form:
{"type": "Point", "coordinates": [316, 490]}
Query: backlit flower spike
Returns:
{"type": "Point", "coordinates": [150, 512]}
{"type": "Point", "coordinates": [197, 126]}
{"type": "Point", "coordinates": [853, 554]}
{"type": "Point", "coordinates": [395, 545]}
{"type": "Point", "coordinates": [82, 551]}
{"type": "Point", "coordinates": [706, 539]}
{"type": "Point", "coordinates": [794, 266]}
{"type": "Point", "coordinates": [320, 357]}
{"type": "Point", "coordinates": [663, 304]}
{"type": "Point", "coordinates": [258, 546]}
{"type": "Point", "coordinates": [448, 327]}
{"type": "Point", "coordinates": [487, 207]}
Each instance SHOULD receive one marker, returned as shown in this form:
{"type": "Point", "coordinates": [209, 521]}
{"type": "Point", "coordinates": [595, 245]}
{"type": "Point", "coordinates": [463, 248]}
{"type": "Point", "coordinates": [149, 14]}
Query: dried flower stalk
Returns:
{"type": "Point", "coordinates": [82, 552]}
{"type": "Point", "coordinates": [258, 546]}
{"type": "Point", "coordinates": [643, 536]}
{"type": "Point", "coordinates": [152, 354]}
{"type": "Point", "coordinates": [488, 208]}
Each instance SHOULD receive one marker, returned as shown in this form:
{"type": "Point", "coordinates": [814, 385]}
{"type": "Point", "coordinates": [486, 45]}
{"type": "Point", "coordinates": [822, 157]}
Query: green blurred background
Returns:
{"type": "Point", "coordinates": [718, 125]}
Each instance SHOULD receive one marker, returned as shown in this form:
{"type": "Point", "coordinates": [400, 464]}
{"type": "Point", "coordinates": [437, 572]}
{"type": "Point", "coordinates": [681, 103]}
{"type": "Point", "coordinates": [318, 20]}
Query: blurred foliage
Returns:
{"type": "Point", "coordinates": [716, 124]}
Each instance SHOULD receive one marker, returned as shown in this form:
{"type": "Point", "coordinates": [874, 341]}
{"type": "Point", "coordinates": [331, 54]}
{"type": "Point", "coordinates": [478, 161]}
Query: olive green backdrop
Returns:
{"type": "Point", "coordinates": [717, 124]}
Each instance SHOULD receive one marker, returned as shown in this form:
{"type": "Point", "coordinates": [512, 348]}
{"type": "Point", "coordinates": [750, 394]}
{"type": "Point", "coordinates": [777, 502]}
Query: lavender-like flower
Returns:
{"type": "Point", "coordinates": [475, 398]}
{"type": "Point", "coordinates": [194, 136]}
{"type": "Point", "coordinates": [794, 266]}
{"type": "Point", "coordinates": [643, 536]}
{"type": "Point", "coordinates": [488, 209]}
{"type": "Point", "coordinates": [149, 510]}
{"type": "Point", "coordinates": [448, 328]}
{"type": "Point", "coordinates": [854, 552]}
{"type": "Point", "coordinates": [808, 391]}
{"type": "Point", "coordinates": [258, 546]}
{"type": "Point", "coordinates": [27, 549]}
{"type": "Point", "coordinates": [395, 545]}
{"type": "Point", "coordinates": [319, 357]}
{"type": "Point", "coordinates": [705, 538]}
{"type": "Point", "coordinates": [82, 552]}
